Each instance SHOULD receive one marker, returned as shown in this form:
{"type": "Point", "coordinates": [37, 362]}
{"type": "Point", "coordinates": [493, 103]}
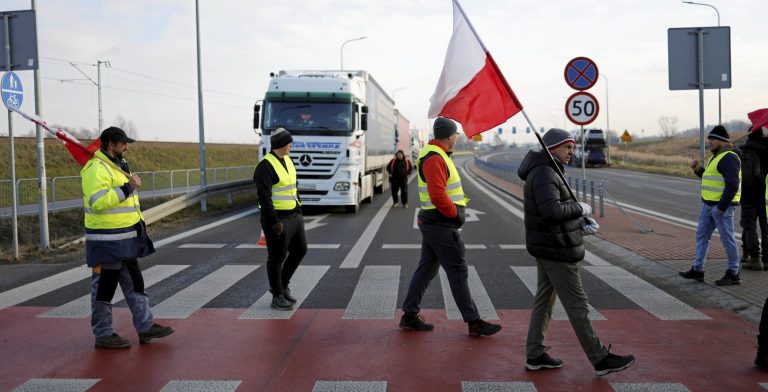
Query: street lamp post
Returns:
{"type": "Point", "coordinates": [719, 101]}
{"type": "Point", "coordinates": [607, 121]}
{"type": "Point", "coordinates": [346, 42]}
{"type": "Point", "coordinates": [396, 90]}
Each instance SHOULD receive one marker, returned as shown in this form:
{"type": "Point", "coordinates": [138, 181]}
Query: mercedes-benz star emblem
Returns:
{"type": "Point", "coordinates": [305, 160]}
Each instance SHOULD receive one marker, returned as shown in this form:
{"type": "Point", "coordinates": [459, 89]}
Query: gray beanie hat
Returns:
{"type": "Point", "coordinates": [720, 133]}
{"type": "Point", "coordinates": [443, 128]}
{"type": "Point", "coordinates": [280, 137]}
{"type": "Point", "coordinates": [556, 137]}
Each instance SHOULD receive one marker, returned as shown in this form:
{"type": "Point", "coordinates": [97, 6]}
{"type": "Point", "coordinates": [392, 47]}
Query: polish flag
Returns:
{"type": "Point", "coordinates": [759, 118]}
{"type": "Point", "coordinates": [79, 152]}
{"type": "Point", "coordinates": [471, 89]}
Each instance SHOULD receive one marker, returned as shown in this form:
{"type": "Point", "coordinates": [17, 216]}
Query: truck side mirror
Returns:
{"type": "Point", "coordinates": [256, 109]}
{"type": "Point", "coordinates": [364, 118]}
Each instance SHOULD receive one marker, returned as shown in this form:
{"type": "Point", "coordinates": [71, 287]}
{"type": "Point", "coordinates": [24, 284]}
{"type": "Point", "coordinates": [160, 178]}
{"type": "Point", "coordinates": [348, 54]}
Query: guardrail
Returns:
{"type": "Point", "coordinates": [65, 192]}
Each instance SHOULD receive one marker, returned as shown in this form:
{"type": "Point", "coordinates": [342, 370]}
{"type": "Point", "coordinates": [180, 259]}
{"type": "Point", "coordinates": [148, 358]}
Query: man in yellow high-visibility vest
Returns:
{"type": "Point", "coordinates": [281, 218]}
{"type": "Point", "coordinates": [115, 236]}
{"type": "Point", "coordinates": [720, 194]}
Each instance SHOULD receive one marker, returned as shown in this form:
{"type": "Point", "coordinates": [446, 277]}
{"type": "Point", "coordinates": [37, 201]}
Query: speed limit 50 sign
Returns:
{"type": "Point", "coordinates": [582, 108]}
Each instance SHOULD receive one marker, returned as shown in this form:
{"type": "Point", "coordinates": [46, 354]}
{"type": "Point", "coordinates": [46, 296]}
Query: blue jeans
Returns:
{"type": "Point", "coordinates": [709, 219]}
{"type": "Point", "coordinates": [103, 285]}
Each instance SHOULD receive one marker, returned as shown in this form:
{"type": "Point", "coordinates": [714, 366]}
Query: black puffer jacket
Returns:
{"type": "Point", "coordinates": [552, 218]}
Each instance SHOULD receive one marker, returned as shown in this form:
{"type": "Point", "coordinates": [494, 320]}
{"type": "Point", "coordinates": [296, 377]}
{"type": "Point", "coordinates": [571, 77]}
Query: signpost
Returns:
{"type": "Point", "coordinates": [12, 94]}
{"type": "Point", "coordinates": [626, 138]}
{"type": "Point", "coordinates": [582, 108]}
{"type": "Point", "coordinates": [581, 74]}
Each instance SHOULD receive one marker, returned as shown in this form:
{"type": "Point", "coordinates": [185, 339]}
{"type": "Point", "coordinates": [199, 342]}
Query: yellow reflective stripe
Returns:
{"type": "Point", "coordinates": [286, 188]}
{"type": "Point", "coordinates": [97, 196]}
{"type": "Point", "coordinates": [714, 178]}
{"type": "Point", "coordinates": [117, 210]}
{"type": "Point", "coordinates": [110, 237]}
{"type": "Point", "coordinates": [453, 186]}
{"type": "Point", "coordinates": [281, 197]}
{"type": "Point", "coordinates": [712, 188]}
{"type": "Point", "coordinates": [456, 197]}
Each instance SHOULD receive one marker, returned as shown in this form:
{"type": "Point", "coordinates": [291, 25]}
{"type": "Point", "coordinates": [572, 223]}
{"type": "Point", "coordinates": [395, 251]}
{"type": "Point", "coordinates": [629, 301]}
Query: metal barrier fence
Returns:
{"type": "Point", "coordinates": [509, 172]}
{"type": "Point", "coordinates": [66, 192]}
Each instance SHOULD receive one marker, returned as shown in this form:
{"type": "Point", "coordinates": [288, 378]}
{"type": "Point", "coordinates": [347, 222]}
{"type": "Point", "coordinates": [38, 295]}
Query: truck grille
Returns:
{"type": "Point", "coordinates": [313, 164]}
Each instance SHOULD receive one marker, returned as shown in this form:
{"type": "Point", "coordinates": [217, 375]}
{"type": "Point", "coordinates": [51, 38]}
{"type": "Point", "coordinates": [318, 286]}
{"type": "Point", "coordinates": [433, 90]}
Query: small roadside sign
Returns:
{"type": "Point", "coordinates": [11, 91]}
{"type": "Point", "coordinates": [626, 137]}
{"type": "Point", "coordinates": [582, 108]}
{"type": "Point", "coordinates": [477, 138]}
{"type": "Point", "coordinates": [581, 73]}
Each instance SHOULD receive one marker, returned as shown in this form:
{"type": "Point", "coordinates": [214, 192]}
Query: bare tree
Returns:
{"type": "Point", "coordinates": [127, 126]}
{"type": "Point", "coordinates": [668, 125]}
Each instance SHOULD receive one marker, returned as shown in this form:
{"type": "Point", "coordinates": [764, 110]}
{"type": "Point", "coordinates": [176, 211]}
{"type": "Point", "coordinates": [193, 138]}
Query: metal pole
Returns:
{"type": "Point", "coordinates": [201, 122]}
{"type": "Point", "coordinates": [42, 182]}
{"type": "Point", "coordinates": [342, 48]}
{"type": "Point", "coordinates": [98, 88]}
{"type": "Point", "coordinates": [719, 101]}
{"type": "Point", "coordinates": [583, 157]}
{"type": "Point", "coordinates": [12, 163]}
{"type": "Point", "coordinates": [607, 123]}
{"type": "Point", "coordinates": [700, 50]}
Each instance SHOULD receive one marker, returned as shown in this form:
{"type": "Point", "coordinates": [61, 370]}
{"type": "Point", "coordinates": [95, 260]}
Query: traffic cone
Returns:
{"type": "Point", "coordinates": [262, 240]}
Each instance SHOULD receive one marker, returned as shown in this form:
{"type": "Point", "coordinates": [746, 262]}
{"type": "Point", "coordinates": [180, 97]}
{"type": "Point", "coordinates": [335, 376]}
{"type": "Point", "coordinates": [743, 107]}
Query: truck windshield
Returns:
{"type": "Point", "coordinates": [308, 117]}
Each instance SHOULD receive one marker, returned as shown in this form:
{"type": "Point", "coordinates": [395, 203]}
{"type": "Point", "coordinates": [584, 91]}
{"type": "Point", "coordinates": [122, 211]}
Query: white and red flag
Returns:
{"type": "Point", "coordinates": [79, 152]}
{"type": "Point", "coordinates": [471, 89]}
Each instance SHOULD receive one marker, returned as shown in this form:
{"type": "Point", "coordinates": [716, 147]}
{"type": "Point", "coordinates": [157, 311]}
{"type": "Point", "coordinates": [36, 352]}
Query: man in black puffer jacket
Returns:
{"type": "Point", "coordinates": [554, 229]}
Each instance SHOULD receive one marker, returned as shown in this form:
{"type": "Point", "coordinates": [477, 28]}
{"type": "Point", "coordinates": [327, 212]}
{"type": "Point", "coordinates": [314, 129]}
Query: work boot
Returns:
{"type": "Point", "coordinates": [279, 302]}
{"type": "Point", "coordinates": [405, 205]}
{"type": "Point", "coordinates": [761, 359]}
{"type": "Point", "coordinates": [729, 278]}
{"type": "Point", "coordinates": [483, 328]}
{"type": "Point", "coordinates": [414, 322]}
{"type": "Point", "coordinates": [288, 296]}
{"type": "Point", "coordinates": [395, 204]}
{"type": "Point", "coordinates": [693, 274]}
{"type": "Point", "coordinates": [112, 341]}
{"type": "Point", "coordinates": [613, 363]}
{"type": "Point", "coordinates": [156, 331]}
{"type": "Point", "coordinates": [544, 361]}
{"type": "Point", "coordinates": [754, 263]}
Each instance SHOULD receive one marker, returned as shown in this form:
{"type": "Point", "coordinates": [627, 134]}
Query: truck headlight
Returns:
{"type": "Point", "coordinates": [341, 186]}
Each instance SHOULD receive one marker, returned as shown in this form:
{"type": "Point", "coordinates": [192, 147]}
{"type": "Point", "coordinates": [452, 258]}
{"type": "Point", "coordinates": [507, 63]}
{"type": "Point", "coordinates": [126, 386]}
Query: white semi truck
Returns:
{"type": "Point", "coordinates": [342, 123]}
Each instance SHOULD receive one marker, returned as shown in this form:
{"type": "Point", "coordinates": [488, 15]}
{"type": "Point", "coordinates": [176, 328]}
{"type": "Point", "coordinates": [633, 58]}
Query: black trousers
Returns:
{"type": "Point", "coordinates": [284, 251]}
{"type": "Point", "coordinates": [441, 246]}
{"type": "Point", "coordinates": [402, 187]}
{"type": "Point", "coordinates": [753, 218]}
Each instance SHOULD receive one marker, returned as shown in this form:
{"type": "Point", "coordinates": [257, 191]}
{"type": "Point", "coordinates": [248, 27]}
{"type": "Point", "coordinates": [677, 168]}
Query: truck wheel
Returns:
{"type": "Point", "coordinates": [353, 209]}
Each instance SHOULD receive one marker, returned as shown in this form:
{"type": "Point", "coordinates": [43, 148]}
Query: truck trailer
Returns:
{"type": "Point", "coordinates": [342, 123]}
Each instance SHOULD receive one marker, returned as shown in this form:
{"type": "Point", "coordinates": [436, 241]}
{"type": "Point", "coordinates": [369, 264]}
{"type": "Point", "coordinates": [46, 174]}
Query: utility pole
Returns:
{"type": "Point", "coordinates": [41, 177]}
{"type": "Point", "coordinates": [96, 83]}
{"type": "Point", "coordinates": [201, 121]}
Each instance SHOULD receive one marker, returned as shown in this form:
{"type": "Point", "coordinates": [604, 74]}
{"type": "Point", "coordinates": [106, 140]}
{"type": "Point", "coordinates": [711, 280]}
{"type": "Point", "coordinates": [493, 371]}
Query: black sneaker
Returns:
{"type": "Point", "coordinates": [544, 361]}
{"type": "Point", "coordinates": [279, 302]}
{"type": "Point", "coordinates": [155, 331]}
{"type": "Point", "coordinates": [693, 274]}
{"type": "Point", "coordinates": [729, 279]}
{"type": "Point", "coordinates": [288, 296]}
{"type": "Point", "coordinates": [415, 322]}
{"type": "Point", "coordinates": [613, 363]}
{"type": "Point", "coordinates": [483, 328]}
{"type": "Point", "coordinates": [112, 341]}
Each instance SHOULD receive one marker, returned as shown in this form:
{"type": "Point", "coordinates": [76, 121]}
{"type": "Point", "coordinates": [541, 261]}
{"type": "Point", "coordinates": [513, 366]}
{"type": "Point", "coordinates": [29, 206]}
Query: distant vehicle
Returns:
{"type": "Point", "coordinates": [595, 145]}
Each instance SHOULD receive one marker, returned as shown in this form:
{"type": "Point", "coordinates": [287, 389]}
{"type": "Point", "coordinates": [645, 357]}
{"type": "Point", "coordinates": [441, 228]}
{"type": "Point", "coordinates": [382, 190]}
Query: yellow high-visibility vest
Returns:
{"type": "Point", "coordinates": [284, 193]}
{"type": "Point", "coordinates": [452, 187]}
{"type": "Point", "coordinates": [106, 206]}
{"type": "Point", "coordinates": [713, 183]}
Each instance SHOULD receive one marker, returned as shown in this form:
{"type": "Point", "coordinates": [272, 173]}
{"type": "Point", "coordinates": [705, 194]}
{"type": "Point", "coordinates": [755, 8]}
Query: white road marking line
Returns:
{"type": "Point", "coordinates": [349, 386]}
{"type": "Point", "coordinates": [594, 259]}
{"type": "Point", "coordinates": [418, 246]}
{"type": "Point", "coordinates": [309, 246]}
{"type": "Point", "coordinates": [201, 386]}
{"type": "Point", "coordinates": [302, 283]}
{"type": "Point", "coordinates": [648, 387]}
{"type": "Point", "coordinates": [202, 246]}
{"type": "Point", "coordinates": [57, 384]}
{"type": "Point", "coordinates": [488, 386]}
{"type": "Point", "coordinates": [201, 229]}
{"type": "Point", "coordinates": [81, 307]}
{"type": "Point", "coordinates": [529, 277]}
{"type": "Point", "coordinates": [647, 296]}
{"type": "Point", "coordinates": [375, 296]}
{"type": "Point", "coordinates": [43, 286]}
{"type": "Point", "coordinates": [185, 302]}
{"type": "Point", "coordinates": [476, 289]}
{"type": "Point", "coordinates": [512, 246]}
{"type": "Point", "coordinates": [355, 255]}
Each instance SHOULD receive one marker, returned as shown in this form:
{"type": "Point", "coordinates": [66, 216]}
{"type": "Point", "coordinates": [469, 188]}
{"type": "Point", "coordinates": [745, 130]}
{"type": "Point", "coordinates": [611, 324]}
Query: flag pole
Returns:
{"type": "Point", "coordinates": [514, 98]}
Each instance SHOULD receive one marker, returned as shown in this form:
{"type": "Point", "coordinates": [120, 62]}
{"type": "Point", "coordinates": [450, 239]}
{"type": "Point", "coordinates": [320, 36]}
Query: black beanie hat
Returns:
{"type": "Point", "coordinates": [280, 137]}
{"type": "Point", "coordinates": [443, 128]}
{"type": "Point", "coordinates": [556, 137]}
{"type": "Point", "coordinates": [719, 133]}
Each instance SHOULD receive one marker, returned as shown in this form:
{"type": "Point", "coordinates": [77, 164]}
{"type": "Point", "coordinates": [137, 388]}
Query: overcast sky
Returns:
{"type": "Point", "coordinates": [150, 45]}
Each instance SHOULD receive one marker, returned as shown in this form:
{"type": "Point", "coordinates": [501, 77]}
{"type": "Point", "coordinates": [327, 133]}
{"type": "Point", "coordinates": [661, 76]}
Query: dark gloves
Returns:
{"type": "Point", "coordinates": [278, 228]}
{"type": "Point", "coordinates": [460, 216]}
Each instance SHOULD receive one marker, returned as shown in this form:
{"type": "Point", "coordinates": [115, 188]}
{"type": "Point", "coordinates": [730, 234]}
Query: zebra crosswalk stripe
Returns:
{"type": "Point", "coordinates": [185, 302]}
{"type": "Point", "coordinates": [487, 386]}
{"type": "Point", "coordinates": [646, 295]}
{"type": "Point", "coordinates": [302, 283]}
{"type": "Point", "coordinates": [350, 386]}
{"type": "Point", "coordinates": [81, 307]}
{"type": "Point", "coordinates": [43, 286]}
{"type": "Point", "coordinates": [648, 387]}
{"type": "Point", "coordinates": [529, 277]}
{"type": "Point", "coordinates": [57, 384]}
{"type": "Point", "coordinates": [479, 295]}
{"type": "Point", "coordinates": [201, 386]}
{"type": "Point", "coordinates": [375, 297]}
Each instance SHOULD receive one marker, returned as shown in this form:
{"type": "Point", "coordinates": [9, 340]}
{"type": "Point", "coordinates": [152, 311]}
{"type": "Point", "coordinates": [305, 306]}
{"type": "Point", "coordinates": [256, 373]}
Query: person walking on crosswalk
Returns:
{"type": "Point", "coordinates": [115, 236]}
{"type": "Point", "coordinates": [281, 218]}
{"type": "Point", "coordinates": [442, 201]}
{"type": "Point", "coordinates": [554, 229]}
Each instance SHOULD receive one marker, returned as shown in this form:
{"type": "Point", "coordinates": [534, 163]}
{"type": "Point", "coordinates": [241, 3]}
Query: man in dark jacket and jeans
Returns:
{"type": "Point", "coordinates": [554, 226]}
{"type": "Point", "coordinates": [753, 217]}
{"type": "Point", "coordinates": [399, 168]}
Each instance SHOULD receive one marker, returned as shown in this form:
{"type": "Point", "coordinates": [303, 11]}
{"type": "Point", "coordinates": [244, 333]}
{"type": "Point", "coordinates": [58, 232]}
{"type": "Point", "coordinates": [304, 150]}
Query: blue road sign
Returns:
{"type": "Point", "coordinates": [514, 130]}
{"type": "Point", "coordinates": [581, 73]}
{"type": "Point", "coordinates": [500, 130]}
{"type": "Point", "coordinates": [11, 91]}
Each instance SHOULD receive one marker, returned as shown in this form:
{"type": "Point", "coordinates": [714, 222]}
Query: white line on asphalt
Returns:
{"type": "Point", "coordinates": [201, 386]}
{"type": "Point", "coordinates": [594, 259]}
{"type": "Point", "coordinates": [355, 255]}
{"type": "Point", "coordinates": [648, 387]}
{"type": "Point", "coordinates": [185, 302]}
{"type": "Point", "coordinates": [43, 286]}
{"type": "Point", "coordinates": [202, 246]}
{"type": "Point", "coordinates": [375, 296]}
{"type": "Point", "coordinates": [476, 289]}
{"type": "Point", "coordinates": [57, 384]}
{"type": "Point", "coordinates": [512, 246]}
{"type": "Point", "coordinates": [350, 386]}
{"type": "Point", "coordinates": [647, 296]}
{"type": "Point", "coordinates": [529, 277]}
{"type": "Point", "coordinates": [489, 386]}
{"type": "Point", "coordinates": [302, 283]}
{"type": "Point", "coordinates": [81, 307]}
{"type": "Point", "coordinates": [310, 246]}
{"type": "Point", "coordinates": [514, 211]}
{"type": "Point", "coordinates": [201, 229]}
{"type": "Point", "coordinates": [418, 246]}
